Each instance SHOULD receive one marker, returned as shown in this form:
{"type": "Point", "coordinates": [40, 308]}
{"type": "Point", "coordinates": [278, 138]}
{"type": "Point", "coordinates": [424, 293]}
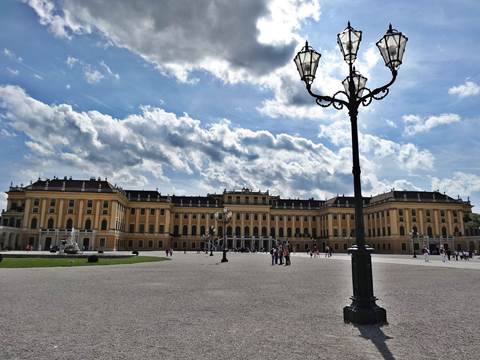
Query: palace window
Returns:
{"type": "Point", "coordinates": [132, 210]}
{"type": "Point", "coordinates": [36, 202]}
{"type": "Point", "coordinates": [162, 212]}
{"type": "Point", "coordinates": [152, 211]}
{"type": "Point", "coordinates": [142, 211]}
{"type": "Point", "coordinates": [132, 228]}
{"type": "Point", "coordinates": [71, 203]}
{"type": "Point", "coordinates": [105, 204]}
{"type": "Point", "coordinates": [104, 224]}
{"type": "Point", "coordinates": [161, 229]}
{"type": "Point", "coordinates": [52, 202]}
{"type": "Point", "coordinates": [151, 229]}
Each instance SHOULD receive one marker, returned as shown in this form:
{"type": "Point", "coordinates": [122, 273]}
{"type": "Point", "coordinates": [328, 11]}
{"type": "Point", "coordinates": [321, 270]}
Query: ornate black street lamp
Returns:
{"type": "Point", "coordinates": [363, 309]}
{"type": "Point", "coordinates": [225, 217]}
{"type": "Point", "coordinates": [211, 233]}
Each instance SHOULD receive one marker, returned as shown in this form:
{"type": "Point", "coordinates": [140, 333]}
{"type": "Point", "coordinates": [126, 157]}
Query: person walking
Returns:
{"type": "Point", "coordinates": [280, 255]}
{"type": "Point", "coordinates": [425, 254]}
{"type": "Point", "coordinates": [327, 250]}
{"type": "Point", "coordinates": [286, 254]}
{"type": "Point", "coordinates": [275, 255]}
{"type": "Point", "coordinates": [272, 255]}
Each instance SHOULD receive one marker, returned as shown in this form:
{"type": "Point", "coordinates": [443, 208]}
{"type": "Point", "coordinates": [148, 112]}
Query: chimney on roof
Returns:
{"type": "Point", "coordinates": [148, 197]}
{"type": "Point", "coordinates": [46, 185]}
{"type": "Point", "coordinates": [99, 187]}
{"type": "Point", "coordinates": [70, 178]}
{"type": "Point", "coordinates": [99, 179]}
{"type": "Point", "coordinates": [83, 185]}
{"type": "Point", "coordinates": [418, 196]}
{"type": "Point", "coordinates": [64, 178]}
{"type": "Point", "coordinates": [63, 186]}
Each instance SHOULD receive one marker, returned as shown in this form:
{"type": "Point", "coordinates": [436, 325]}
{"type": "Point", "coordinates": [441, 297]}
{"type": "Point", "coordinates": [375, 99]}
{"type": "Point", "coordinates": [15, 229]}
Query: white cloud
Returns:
{"type": "Point", "coordinates": [36, 76]}
{"type": "Point", "coordinates": [68, 87]}
{"type": "Point", "coordinates": [460, 183]}
{"type": "Point", "coordinates": [71, 61]}
{"type": "Point", "coordinates": [379, 156]}
{"type": "Point", "coordinates": [469, 88]}
{"type": "Point", "coordinates": [13, 72]}
{"type": "Point", "coordinates": [11, 54]}
{"type": "Point", "coordinates": [92, 76]}
{"type": "Point", "coordinates": [415, 124]}
{"type": "Point", "coordinates": [146, 144]}
{"type": "Point", "coordinates": [108, 70]}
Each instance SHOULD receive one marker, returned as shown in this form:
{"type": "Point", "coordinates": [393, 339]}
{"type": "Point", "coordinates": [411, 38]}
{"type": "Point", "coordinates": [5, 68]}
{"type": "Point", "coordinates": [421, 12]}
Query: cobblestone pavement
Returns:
{"type": "Point", "coordinates": [193, 307]}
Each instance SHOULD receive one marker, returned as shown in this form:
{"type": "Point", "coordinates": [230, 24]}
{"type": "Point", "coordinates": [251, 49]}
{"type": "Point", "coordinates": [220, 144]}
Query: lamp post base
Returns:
{"type": "Point", "coordinates": [363, 310]}
{"type": "Point", "coordinates": [360, 315]}
{"type": "Point", "coordinates": [224, 257]}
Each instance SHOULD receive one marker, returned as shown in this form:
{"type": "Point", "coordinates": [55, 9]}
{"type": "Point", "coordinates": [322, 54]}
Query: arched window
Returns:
{"type": "Point", "coordinates": [289, 232]}
{"type": "Point", "coordinates": [185, 230]}
{"type": "Point", "coordinates": [88, 224]}
{"type": "Point", "coordinates": [264, 231]}
{"type": "Point", "coordinates": [229, 231]}
{"type": "Point", "coordinates": [415, 231]}
{"type": "Point", "coordinates": [50, 224]}
{"type": "Point", "coordinates": [220, 231]}
{"type": "Point", "coordinates": [33, 224]}
{"type": "Point", "coordinates": [429, 231]}
{"type": "Point", "coordinates": [402, 231]}
{"type": "Point", "coordinates": [194, 230]}
{"type": "Point", "coordinates": [305, 232]}
{"type": "Point", "coordinates": [455, 232]}
{"type": "Point", "coordinates": [297, 232]}
{"type": "Point", "coordinates": [202, 230]}
{"type": "Point", "coordinates": [272, 232]}
{"type": "Point", "coordinates": [255, 231]}
{"type": "Point", "coordinates": [280, 232]}
{"type": "Point", "coordinates": [444, 231]}
{"type": "Point", "coordinates": [237, 231]}
{"type": "Point", "coordinates": [104, 224]}
{"type": "Point", "coordinates": [69, 224]}
{"type": "Point", "coordinates": [246, 231]}
{"type": "Point", "coordinates": [175, 230]}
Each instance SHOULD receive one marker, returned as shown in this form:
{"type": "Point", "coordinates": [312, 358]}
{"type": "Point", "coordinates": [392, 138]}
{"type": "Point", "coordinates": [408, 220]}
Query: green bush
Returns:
{"type": "Point", "coordinates": [93, 259]}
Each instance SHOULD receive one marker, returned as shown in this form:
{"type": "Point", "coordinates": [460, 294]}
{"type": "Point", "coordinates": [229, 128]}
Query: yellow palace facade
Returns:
{"type": "Point", "coordinates": [104, 216]}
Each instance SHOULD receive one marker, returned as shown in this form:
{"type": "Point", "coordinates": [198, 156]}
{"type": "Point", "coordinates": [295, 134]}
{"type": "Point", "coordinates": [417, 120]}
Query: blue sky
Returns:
{"type": "Point", "coordinates": [196, 98]}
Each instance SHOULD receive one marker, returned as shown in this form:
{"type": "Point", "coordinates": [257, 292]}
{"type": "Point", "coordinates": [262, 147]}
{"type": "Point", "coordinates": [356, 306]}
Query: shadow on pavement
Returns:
{"type": "Point", "coordinates": [375, 334]}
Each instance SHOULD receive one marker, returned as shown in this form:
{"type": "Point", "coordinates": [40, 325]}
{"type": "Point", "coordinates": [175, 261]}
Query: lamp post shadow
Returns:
{"type": "Point", "coordinates": [375, 334]}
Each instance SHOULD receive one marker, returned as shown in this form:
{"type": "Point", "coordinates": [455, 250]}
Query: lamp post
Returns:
{"type": "Point", "coordinates": [413, 235]}
{"type": "Point", "coordinates": [363, 309]}
{"type": "Point", "coordinates": [225, 217]}
{"type": "Point", "coordinates": [211, 232]}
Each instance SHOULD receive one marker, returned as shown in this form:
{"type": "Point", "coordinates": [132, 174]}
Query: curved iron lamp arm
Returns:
{"type": "Point", "coordinates": [374, 94]}
{"type": "Point", "coordinates": [326, 101]}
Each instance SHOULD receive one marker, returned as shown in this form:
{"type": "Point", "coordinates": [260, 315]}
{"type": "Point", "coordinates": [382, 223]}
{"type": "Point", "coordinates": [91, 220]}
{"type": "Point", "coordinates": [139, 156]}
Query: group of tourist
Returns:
{"type": "Point", "coordinates": [315, 252]}
{"type": "Point", "coordinates": [281, 254]}
{"type": "Point", "coordinates": [168, 252]}
{"type": "Point", "coordinates": [446, 254]}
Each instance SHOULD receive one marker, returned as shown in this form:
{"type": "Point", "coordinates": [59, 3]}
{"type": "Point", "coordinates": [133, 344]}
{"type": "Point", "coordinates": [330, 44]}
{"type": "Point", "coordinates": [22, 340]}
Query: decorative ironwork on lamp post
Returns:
{"type": "Point", "coordinates": [226, 216]}
{"type": "Point", "coordinates": [363, 309]}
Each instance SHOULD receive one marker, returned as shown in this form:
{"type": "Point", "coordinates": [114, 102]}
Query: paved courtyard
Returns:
{"type": "Point", "coordinates": [195, 308]}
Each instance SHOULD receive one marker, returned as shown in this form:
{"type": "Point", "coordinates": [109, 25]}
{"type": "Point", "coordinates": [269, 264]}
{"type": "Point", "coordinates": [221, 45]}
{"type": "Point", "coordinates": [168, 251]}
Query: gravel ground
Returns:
{"type": "Point", "coordinates": [195, 308]}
